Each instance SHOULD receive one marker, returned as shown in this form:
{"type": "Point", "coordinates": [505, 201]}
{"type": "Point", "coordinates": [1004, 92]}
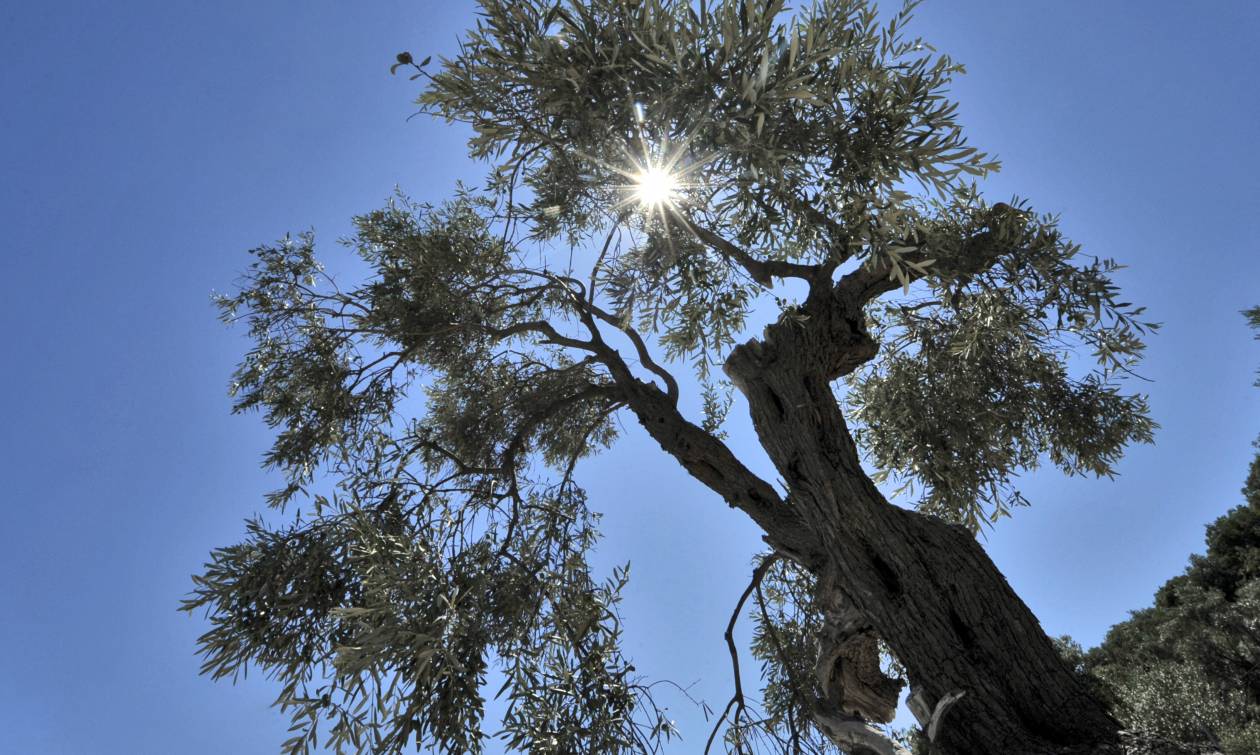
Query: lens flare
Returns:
{"type": "Point", "coordinates": [655, 186]}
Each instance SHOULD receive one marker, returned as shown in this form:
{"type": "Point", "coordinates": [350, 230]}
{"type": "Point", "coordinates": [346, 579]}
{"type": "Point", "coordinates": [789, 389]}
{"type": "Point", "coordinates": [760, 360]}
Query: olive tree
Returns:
{"type": "Point", "coordinates": [658, 173]}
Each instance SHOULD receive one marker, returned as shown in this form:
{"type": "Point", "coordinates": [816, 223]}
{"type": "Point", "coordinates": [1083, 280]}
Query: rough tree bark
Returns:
{"type": "Point", "coordinates": [924, 586]}
{"type": "Point", "coordinates": [985, 679]}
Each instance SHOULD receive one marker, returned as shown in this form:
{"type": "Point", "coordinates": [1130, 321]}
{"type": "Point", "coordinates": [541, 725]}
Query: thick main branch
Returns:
{"type": "Point", "coordinates": [760, 270]}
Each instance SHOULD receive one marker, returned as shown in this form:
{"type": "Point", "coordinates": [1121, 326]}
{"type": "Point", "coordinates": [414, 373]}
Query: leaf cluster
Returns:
{"type": "Point", "coordinates": [974, 380]}
{"type": "Point", "coordinates": [451, 542]}
{"type": "Point", "coordinates": [382, 617]}
{"type": "Point", "coordinates": [786, 626]}
{"type": "Point", "coordinates": [791, 132]}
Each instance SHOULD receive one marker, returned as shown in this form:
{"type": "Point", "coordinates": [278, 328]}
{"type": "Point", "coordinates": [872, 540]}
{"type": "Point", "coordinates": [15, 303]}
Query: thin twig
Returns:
{"type": "Point", "coordinates": [737, 699]}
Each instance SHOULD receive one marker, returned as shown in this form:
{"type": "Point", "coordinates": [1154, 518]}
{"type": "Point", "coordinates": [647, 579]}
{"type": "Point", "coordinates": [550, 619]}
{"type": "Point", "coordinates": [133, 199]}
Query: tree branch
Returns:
{"type": "Point", "coordinates": [711, 462]}
{"type": "Point", "coordinates": [737, 699]}
{"type": "Point", "coordinates": [518, 441]}
{"type": "Point", "coordinates": [869, 282]}
{"type": "Point", "coordinates": [645, 358]}
{"type": "Point", "coordinates": [855, 735]}
{"type": "Point", "coordinates": [549, 333]}
{"type": "Point", "coordinates": [702, 454]}
{"type": "Point", "coordinates": [761, 271]}
{"type": "Point", "coordinates": [797, 689]}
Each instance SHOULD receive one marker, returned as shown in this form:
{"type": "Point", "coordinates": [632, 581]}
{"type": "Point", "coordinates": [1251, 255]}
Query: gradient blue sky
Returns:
{"type": "Point", "coordinates": [147, 145]}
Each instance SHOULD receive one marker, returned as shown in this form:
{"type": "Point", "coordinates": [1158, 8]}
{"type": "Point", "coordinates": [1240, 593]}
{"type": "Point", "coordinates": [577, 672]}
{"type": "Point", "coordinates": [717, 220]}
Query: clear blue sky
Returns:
{"type": "Point", "coordinates": [147, 145]}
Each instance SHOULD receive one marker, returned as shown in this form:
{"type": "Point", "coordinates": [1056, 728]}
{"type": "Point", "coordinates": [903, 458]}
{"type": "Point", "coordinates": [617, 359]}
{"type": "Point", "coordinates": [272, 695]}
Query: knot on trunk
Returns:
{"type": "Point", "coordinates": [850, 677]}
{"type": "Point", "coordinates": [848, 670]}
{"type": "Point", "coordinates": [828, 338]}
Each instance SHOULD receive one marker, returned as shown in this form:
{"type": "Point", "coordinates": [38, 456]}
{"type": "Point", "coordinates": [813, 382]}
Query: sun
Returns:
{"type": "Point", "coordinates": [655, 186]}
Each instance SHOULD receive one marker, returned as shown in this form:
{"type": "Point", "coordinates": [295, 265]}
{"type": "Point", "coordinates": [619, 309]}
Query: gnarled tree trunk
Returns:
{"type": "Point", "coordinates": [925, 587]}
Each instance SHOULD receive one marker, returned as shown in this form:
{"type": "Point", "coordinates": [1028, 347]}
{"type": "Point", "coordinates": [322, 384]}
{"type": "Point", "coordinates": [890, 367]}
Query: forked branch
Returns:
{"type": "Point", "coordinates": [737, 698]}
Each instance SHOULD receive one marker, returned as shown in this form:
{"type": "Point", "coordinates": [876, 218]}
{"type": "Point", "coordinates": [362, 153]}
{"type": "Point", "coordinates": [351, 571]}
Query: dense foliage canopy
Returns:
{"type": "Point", "coordinates": [430, 419]}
